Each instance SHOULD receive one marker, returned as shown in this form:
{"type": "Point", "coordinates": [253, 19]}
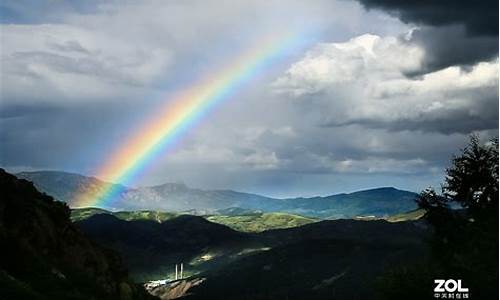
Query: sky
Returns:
{"type": "Point", "coordinates": [379, 93]}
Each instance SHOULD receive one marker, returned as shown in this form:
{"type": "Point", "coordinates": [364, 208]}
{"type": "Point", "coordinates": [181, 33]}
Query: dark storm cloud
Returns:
{"type": "Point", "coordinates": [448, 46]}
{"type": "Point", "coordinates": [453, 32]}
{"type": "Point", "coordinates": [479, 17]}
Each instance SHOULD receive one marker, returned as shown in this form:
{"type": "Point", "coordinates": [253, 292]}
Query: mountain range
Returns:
{"type": "Point", "coordinates": [178, 197]}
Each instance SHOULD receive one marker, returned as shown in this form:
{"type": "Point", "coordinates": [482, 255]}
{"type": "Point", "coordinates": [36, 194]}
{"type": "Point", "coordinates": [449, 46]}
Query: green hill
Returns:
{"type": "Point", "coordinates": [411, 215]}
{"type": "Point", "coordinates": [258, 222]}
{"type": "Point", "coordinates": [79, 214]}
{"type": "Point", "coordinates": [408, 216]}
{"type": "Point", "coordinates": [246, 221]}
{"type": "Point", "coordinates": [241, 220]}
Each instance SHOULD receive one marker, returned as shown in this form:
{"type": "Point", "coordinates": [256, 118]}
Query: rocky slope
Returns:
{"type": "Point", "coordinates": [46, 257]}
{"type": "Point", "coordinates": [175, 289]}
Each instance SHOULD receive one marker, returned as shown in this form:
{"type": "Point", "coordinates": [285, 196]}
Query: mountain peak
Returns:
{"type": "Point", "coordinates": [381, 190]}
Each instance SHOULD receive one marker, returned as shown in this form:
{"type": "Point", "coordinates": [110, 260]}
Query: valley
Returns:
{"type": "Point", "coordinates": [245, 249]}
{"type": "Point", "coordinates": [306, 258]}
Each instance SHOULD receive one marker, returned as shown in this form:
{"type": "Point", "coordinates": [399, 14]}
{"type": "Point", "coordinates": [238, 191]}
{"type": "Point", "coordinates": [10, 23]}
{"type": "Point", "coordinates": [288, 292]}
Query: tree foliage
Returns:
{"type": "Point", "coordinates": [465, 242]}
{"type": "Point", "coordinates": [464, 221]}
{"type": "Point", "coordinates": [471, 181]}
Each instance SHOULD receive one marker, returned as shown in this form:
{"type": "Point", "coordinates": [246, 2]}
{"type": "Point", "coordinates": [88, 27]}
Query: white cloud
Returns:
{"type": "Point", "coordinates": [125, 49]}
{"type": "Point", "coordinates": [363, 81]}
{"type": "Point", "coordinates": [363, 58]}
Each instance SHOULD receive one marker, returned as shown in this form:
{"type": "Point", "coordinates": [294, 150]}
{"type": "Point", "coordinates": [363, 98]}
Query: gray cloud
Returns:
{"type": "Point", "coordinates": [450, 46]}
{"type": "Point", "coordinates": [480, 113]}
{"type": "Point", "coordinates": [76, 82]}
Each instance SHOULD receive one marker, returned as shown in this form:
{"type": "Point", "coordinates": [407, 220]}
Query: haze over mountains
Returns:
{"type": "Point", "coordinates": [181, 198]}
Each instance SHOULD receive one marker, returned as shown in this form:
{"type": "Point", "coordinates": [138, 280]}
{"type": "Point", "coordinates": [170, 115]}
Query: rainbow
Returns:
{"type": "Point", "coordinates": [181, 112]}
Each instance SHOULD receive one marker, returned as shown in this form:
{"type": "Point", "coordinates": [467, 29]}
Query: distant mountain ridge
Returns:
{"type": "Point", "coordinates": [177, 197]}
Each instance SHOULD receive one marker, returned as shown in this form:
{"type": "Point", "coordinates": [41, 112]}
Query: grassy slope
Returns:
{"type": "Point", "coordinates": [412, 215]}
{"type": "Point", "coordinates": [408, 216]}
{"type": "Point", "coordinates": [80, 214]}
{"type": "Point", "coordinates": [251, 222]}
{"type": "Point", "coordinates": [258, 222]}
{"type": "Point", "coordinates": [245, 222]}
{"type": "Point", "coordinates": [158, 216]}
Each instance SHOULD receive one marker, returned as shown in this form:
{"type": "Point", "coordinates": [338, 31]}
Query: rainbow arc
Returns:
{"type": "Point", "coordinates": [179, 114]}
